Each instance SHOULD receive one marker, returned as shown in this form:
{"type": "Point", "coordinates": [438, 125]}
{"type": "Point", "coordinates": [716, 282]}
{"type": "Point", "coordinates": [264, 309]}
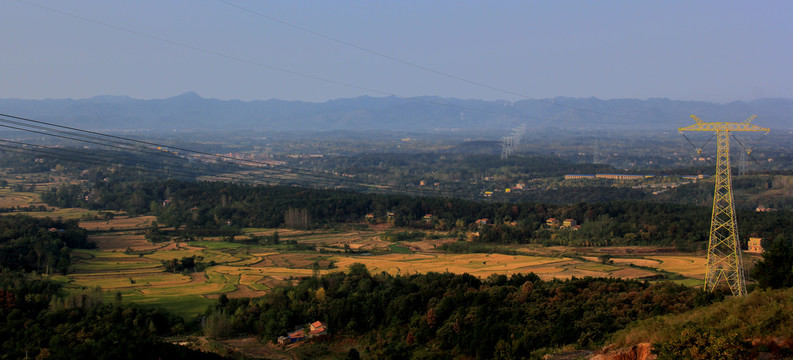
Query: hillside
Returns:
{"type": "Point", "coordinates": [763, 319]}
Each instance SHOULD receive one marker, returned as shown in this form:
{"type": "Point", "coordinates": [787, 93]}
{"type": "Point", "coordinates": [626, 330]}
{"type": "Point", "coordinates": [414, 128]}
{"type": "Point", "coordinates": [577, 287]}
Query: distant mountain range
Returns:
{"type": "Point", "coordinates": [189, 111]}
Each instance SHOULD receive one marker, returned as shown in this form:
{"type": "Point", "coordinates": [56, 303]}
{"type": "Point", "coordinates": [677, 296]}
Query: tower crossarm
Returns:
{"type": "Point", "coordinates": [722, 126]}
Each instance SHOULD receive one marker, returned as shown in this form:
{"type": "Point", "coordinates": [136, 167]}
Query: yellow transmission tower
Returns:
{"type": "Point", "coordinates": [724, 247]}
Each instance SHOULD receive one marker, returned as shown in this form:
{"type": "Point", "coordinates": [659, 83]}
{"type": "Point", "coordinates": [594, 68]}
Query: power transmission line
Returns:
{"type": "Point", "coordinates": [135, 145]}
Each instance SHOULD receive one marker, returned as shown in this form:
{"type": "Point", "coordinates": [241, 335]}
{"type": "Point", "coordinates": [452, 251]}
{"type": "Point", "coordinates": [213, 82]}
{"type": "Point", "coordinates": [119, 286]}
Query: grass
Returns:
{"type": "Point", "coordinates": [261, 287]}
{"type": "Point", "coordinates": [216, 245]}
{"type": "Point", "coordinates": [115, 266]}
{"type": "Point", "coordinates": [598, 267]}
{"type": "Point", "coordinates": [257, 230]}
{"type": "Point", "coordinates": [186, 306]}
{"type": "Point", "coordinates": [762, 314]}
{"type": "Point", "coordinates": [399, 249]}
{"type": "Point", "coordinates": [689, 282]}
{"type": "Point", "coordinates": [60, 279]}
{"type": "Point", "coordinates": [66, 214]}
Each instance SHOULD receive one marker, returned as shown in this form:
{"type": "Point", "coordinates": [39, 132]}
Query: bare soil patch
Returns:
{"type": "Point", "coordinates": [119, 223]}
{"type": "Point", "coordinates": [428, 245]}
{"type": "Point", "coordinates": [624, 261]}
{"type": "Point", "coordinates": [242, 291]}
{"type": "Point", "coordinates": [293, 261]}
{"type": "Point", "coordinates": [121, 242]}
{"type": "Point", "coordinates": [198, 277]}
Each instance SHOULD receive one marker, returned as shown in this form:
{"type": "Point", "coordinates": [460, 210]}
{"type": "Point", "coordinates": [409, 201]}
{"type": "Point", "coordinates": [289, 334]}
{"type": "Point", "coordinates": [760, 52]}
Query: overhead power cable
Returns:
{"type": "Point", "coordinates": [115, 144]}
{"type": "Point", "coordinates": [78, 155]}
{"type": "Point", "coordinates": [142, 146]}
{"type": "Point", "coordinates": [62, 154]}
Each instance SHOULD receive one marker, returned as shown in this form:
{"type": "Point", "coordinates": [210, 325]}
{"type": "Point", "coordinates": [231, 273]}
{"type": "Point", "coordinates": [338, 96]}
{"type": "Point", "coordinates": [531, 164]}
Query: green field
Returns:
{"type": "Point", "coordinates": [399, 249]}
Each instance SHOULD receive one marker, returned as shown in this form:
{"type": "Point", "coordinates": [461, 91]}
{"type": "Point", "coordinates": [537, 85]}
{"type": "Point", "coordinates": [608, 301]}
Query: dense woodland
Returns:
{"type": "Point", "coordinates": [444, 315]}
{"type": "Point", "coordinates": [38, 320]}
{"type": "Point", "coordinates": [41, 245]}
{"type": "Point", "coordinates": [192, 205]}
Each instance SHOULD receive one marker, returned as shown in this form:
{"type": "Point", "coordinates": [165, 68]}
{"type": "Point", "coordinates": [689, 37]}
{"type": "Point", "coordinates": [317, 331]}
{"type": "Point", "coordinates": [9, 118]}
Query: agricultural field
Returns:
{"type": "Point", "coordinates": [9, 198]}
{"type": "Point", "coordinates": [127, 264]}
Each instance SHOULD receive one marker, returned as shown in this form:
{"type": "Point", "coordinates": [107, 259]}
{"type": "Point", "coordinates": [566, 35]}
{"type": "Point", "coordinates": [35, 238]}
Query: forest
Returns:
{"type": "Point", "coordinates": [444, 315]}
{"type": "Point", "coordinates": [41, 245]}
{"type": "Point", "coordinates": [39, 320]}
{"type": "Point", "coordinates": [194, 205]}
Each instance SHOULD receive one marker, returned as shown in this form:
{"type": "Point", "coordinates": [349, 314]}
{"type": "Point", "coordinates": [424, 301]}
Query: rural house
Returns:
{"type": "Point", "coordinates": [755, 245]}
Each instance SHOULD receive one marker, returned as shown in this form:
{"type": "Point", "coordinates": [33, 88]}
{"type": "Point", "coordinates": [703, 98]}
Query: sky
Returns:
{"type": "Point", "coordinates": [717, 51]}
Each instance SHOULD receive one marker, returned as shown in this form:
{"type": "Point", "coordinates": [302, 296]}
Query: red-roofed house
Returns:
{"type": "Point", "coordinates": [317, 328]}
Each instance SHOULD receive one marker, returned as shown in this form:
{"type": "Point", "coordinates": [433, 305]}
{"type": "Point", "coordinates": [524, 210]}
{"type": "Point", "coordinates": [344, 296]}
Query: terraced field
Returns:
{"type": "Point", "coordinates": [688, 266]}
{"type": "Point", "coordinates": [10, 198]}
{"type": "Point", "coordinates": [128, 264]}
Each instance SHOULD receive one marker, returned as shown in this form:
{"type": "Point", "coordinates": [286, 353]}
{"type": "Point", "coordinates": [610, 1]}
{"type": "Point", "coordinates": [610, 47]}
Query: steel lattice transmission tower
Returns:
{"type": "Point", "coordinates": [724, 248]}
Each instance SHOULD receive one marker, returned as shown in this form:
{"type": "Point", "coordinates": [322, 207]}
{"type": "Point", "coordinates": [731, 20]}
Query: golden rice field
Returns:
{"type": "Point", "coordinates": [249, 271]}
{"type": "Point", "coordinates": [10, 198]}
{"type": "Point", "coordinates": [688, 266]}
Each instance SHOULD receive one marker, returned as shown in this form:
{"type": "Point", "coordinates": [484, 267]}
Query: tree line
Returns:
{"type": "Point", "coordinates": [192, 205]}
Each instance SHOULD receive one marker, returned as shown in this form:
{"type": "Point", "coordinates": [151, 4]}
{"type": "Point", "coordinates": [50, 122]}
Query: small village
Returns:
{"type": "Point", "coordinates": [315, 329]}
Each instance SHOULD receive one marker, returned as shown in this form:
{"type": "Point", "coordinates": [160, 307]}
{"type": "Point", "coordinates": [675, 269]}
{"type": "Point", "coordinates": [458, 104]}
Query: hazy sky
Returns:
{"type": "Point", "coordinates": [692, 50]}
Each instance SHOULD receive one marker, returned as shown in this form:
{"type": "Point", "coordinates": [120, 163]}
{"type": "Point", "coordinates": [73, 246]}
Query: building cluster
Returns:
{"type": "Point", "coordinates": [762, 208]}
{"type": "Point", "coordinates": [317, 328]}
{"type": "Point", "coordinates": [482, 221]}
{"type": "Point", "coordinates": [569, 224]}
{"type": "Point", "coordinates": [507, 190]}
{"type": "Point", "coordinates": [624, 176]}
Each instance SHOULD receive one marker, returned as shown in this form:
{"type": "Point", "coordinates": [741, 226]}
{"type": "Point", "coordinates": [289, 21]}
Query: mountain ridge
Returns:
{"type": "Point", "coordinates": [190, 111]}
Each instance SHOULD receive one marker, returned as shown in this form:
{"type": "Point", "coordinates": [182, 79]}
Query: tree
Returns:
{"type": "Point", "coordinates": [297, 218]}
{"type": "Point", "coordinates": [352, 354]}
{"type": "Point", "coordinates": [776, 269]}
{"type": "Point", "coordinates": [699, 344]}
{"type": "Point", "coordinates": [217, 325]}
